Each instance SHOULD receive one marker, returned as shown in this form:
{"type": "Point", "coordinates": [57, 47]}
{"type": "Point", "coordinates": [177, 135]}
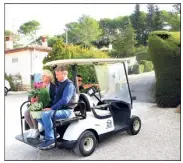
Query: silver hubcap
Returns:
{"type": "Point", "coordinates": [88, 144]}
{"type": "Point", "coordinates": [136, 125]}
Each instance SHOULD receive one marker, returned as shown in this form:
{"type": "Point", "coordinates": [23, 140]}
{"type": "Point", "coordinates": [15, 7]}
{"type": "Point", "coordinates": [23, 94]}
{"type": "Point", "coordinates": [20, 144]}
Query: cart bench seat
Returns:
{"type": "Point", "coordinates": [61, 122]}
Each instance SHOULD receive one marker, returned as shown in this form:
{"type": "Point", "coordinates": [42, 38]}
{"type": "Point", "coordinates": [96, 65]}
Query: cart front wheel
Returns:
{"type": "Point", "coordinates": [86, 144]}
{"type": "Point", "coordinates": [135, 126]}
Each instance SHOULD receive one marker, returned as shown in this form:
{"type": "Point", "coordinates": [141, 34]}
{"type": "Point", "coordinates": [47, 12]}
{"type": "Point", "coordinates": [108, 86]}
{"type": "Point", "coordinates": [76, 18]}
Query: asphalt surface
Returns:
{"type": "Point", "coordinates": [159, 138]}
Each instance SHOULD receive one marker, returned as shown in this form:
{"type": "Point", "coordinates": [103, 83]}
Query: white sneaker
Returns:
{"type": "Point", "coordinates": [72, 115]}
{"type": "Point", "coordinates": [41, 128]}
{"type": "Point", "coordinates": [30, 133]}
{"type": "Point", "coordinates": [35, 133]}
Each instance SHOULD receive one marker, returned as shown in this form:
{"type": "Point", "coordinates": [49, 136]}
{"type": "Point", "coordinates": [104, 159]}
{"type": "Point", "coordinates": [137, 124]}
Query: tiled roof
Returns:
{"type": "Point", "coordinates": [29, 47]}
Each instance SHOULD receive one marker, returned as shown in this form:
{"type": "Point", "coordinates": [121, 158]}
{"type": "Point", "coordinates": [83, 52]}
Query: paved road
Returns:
{"type": "Point", "coordinates": [159, 138]}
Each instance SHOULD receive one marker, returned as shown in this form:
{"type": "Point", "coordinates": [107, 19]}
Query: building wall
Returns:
{"type": "Point", "coordinates": [24, 66]}
{"type": "Point", "coordinates": [37, 58]}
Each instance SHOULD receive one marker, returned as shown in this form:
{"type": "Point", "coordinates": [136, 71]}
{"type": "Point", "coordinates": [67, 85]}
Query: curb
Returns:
{"type": "Point", "coordinates": [17, 93]}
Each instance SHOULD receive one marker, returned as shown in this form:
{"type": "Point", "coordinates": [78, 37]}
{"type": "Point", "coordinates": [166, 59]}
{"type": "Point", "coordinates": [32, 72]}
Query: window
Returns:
{"type": "Point", "coordinates": [14, 60]}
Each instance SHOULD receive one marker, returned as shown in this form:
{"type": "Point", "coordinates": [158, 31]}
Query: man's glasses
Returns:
{"type": "Point", "coordinates": [80, 80]}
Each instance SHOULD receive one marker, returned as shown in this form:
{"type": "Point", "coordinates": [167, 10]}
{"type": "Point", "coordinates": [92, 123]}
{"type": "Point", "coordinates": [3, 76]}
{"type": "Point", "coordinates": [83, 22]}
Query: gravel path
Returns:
{"type": "Point", "coordinates": [159, 138]}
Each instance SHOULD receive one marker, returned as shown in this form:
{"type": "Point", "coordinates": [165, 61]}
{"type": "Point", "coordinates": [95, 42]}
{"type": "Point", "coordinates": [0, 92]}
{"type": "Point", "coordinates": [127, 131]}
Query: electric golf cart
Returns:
{"type": "Point", "coordinates": [98, 112]}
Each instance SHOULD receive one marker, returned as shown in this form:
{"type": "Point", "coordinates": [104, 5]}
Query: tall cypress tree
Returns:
{"type": "Point", "coordinates": [158, 21]}
{"type": "Point", "coordinates": [150, 15]}
{"type": "Point", "coordinates": [138, 20]}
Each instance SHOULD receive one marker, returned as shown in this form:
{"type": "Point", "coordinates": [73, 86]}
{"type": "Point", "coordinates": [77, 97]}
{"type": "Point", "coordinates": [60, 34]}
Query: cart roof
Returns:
{"type": "Point", "coordinates": [85, 61]}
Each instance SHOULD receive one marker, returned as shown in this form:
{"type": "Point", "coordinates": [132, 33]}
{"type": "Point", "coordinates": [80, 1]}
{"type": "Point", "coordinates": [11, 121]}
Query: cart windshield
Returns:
{"type": "Point", "coordinates": [112, 82]}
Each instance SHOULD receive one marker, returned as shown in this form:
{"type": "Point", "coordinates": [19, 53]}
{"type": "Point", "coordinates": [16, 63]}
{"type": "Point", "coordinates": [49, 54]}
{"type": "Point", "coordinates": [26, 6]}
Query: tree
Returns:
{"type": "Point", "coordinates": [109, 27]}
{"type": "Point", "coordinates": [175, 18]}
{"type": "Point", "coordinates": [62, 51]}
{"type": "Point", "coordinates": [172, 19]}
{"type": "Point", "coordinates": [29, 29]}
{"type": "Point", "coordinates": [177, 8]}
{"type": "Point", "coordinates": [123, 46]}
{"type": "Point", "coordinates": [83, 32]}
{"type": "Point", "coordinates": [15, 38]}
{"type": "Point", "coordinates": [72, 36]}
{"type": "Point", "coordinates": [138, 20]}
{"type": "Point", "coordinates": [8, 33]}
{"type": "Point", "coordinates": [51, 40]}
{"type": "Point", "coordinates": [150, 17]}
{"type": "Point", "coordinates": [88, 30]}
{"type": "Point", "coordinates": [158, 21]}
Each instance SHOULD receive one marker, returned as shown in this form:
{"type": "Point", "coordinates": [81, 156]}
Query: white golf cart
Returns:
{"type": "Point", "coordinates": [97, 113]}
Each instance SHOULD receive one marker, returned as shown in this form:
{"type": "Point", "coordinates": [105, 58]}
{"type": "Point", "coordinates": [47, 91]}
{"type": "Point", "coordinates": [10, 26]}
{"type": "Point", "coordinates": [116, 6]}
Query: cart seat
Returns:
{"type": "Point", "coordinates": [102, 112]}
{"type": "Point", "coordinates": [60, 122]}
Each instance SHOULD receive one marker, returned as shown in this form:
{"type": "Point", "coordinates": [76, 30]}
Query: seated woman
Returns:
{"type": "Point", "coordinates": [48, 82]}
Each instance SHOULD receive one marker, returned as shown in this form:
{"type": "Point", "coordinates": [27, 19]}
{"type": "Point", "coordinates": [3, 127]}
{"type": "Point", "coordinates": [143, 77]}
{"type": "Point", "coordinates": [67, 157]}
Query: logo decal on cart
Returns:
{"type": "Point", "coordinates": [109, 124]}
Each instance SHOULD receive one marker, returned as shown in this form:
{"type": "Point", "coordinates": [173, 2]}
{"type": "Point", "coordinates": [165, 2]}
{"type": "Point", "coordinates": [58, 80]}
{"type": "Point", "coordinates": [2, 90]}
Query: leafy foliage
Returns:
{"type": "Point", "coordinates": [138, 68]}
{"type": "Point", "coordinates": [143, 56]}
{"type": "Point", "coordinates": [29, 29]}
{"type": "Point", "coordinates": [138, 20]}
{"type": "Point", "coordinates": [44, 97]}
{"type": "Point", "coordinates": [37, 106]}
{"type": "Point", "coordinates": [123, 46]}
{"type": "Point", "coordinates": [148, 66]}
{"type": "Point", "coordinates": [14, 81]}
{"type": "Point", "coordinates": [62, 51]}
{"type": "Point", "coordinates": [15, 38]}
{"type": "Point", "coordinates": [85, 31]}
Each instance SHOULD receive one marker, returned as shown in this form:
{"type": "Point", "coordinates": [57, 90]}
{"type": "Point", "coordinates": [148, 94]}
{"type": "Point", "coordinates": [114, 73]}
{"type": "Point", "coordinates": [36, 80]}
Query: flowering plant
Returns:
{"type": "Point", "coordinates": [38, 85]}
{"type": "Point", "coordinates": [40, 97]}
{"type": "Point", "coordinates": [36, 106]}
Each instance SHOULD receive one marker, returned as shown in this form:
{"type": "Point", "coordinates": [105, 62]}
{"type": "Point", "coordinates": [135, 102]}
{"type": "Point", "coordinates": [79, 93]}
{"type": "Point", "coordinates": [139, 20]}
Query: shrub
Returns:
{"type": "Point", "coordinates": [141, 48]}
{"type": "Point", "coordinates": [148, 65]}
{"type": "Point", "coordinates": [164, 48]}
{"type": "Point", "coordinates": [138, 68]}
{"type": "Point", "coordinates": [143, 56]}
{"type": "Point", "coordinates": [62, 51]}
{"type": "Point", "coordinates": [15, 81]}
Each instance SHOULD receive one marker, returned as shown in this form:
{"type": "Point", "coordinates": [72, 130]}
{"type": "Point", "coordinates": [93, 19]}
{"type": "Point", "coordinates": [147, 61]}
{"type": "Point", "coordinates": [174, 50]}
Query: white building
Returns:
{"type": "Point", "coordinates": [26, 60]}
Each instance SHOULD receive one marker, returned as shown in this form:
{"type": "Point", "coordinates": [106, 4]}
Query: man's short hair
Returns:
{"type": "Point", "coordinates": [61, 68]}
{"type": "Point", "coordinates": [79, 76]}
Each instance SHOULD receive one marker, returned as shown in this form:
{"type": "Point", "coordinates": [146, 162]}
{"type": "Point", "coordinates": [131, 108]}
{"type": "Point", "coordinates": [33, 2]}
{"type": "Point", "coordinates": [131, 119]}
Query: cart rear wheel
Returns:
{"type": "Point", "coordinates": [86, 144]}
{"type": "Point", "coordinates": [135, 126]}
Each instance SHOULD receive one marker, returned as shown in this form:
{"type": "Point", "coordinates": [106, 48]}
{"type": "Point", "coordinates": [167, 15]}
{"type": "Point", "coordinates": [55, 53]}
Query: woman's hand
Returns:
{"type": "Point", "coordinates": [47, 109]}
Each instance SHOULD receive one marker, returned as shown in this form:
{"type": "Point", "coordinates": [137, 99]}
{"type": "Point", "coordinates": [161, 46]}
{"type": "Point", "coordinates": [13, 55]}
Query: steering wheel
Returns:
{"type": "Point", "coordinates": [92, 92]}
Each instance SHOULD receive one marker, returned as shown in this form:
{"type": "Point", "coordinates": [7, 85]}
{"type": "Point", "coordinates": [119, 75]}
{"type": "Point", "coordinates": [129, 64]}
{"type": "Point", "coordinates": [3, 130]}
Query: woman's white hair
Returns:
{"type": "Point", "coordinates": [49, 74]}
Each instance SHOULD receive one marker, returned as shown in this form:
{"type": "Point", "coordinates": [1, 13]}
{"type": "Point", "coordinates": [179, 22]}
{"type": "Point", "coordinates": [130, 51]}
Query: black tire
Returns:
{"type": "Point", "coordinates": [81, 145]}
{"type": "Point", "coordinates": [5, 91]}
{"type": "Point", "coordinates": [135, 126]}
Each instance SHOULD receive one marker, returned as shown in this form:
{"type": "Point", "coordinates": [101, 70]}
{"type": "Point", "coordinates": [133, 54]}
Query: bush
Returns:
{"type": "Point", "coordinates": [164, 48]}
{"type": "Point", "coordinates": [148, 65]}
{"type": "Point", "coordinates": [143, 56]}
{"type": "Point", "coordinates": [15, 81]}
{"type": "Point", "coordinates": [141, 48]}
{"type": "Point", "coordinates": [138, 68]}
{"type": "Point", "coordinates": [62, 51]}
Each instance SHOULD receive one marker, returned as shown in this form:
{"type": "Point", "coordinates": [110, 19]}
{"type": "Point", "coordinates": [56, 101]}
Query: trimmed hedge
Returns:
{"type": "Point", "coordinates": [143, 56]}
{"type": "Point", "coordinates": [138, 68]}
{"type": "Point", "coordinates": [148, 65]}
{"type": "Point", "coordinates": [164, 48]}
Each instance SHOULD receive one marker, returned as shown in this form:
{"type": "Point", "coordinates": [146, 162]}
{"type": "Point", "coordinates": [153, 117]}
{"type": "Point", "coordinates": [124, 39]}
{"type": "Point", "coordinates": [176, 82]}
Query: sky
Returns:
{"type": "Point", "coordinates": [53, 17]}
